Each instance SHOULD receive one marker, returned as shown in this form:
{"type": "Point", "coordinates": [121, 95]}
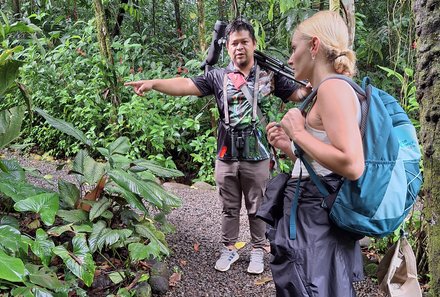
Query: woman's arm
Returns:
{"type": "Point", "coordinates": [336, 109]}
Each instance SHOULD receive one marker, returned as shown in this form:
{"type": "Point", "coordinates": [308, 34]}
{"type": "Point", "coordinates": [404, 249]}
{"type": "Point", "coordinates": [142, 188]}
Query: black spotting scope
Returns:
{"type": "Point", "coordinates": [216, 44]}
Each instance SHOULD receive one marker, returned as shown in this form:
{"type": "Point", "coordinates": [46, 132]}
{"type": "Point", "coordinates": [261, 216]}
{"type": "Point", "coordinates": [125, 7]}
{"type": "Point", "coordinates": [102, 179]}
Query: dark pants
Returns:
{"type": "Point", "coordinates": [323, 260]}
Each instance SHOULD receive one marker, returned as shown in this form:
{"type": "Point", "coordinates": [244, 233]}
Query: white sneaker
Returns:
{"type": "Point", "coordinates": [227, 257]}
{"type": "Point", "coordinates": [256, 265]}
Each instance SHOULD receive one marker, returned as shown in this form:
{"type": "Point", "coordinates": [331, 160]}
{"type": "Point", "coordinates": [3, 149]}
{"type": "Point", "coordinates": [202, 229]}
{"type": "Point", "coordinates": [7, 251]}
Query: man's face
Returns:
{"type": "Point", "coordinates": [241, 48]}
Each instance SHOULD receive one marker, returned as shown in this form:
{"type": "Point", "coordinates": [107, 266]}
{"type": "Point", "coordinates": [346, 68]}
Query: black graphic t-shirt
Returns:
{"type": "Point", "coordinates": [248, 136]}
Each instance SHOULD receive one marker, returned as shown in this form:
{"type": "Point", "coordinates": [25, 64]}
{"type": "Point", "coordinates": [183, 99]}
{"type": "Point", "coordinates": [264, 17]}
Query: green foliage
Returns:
{"type": "Point", "coordinates": [118, 211]}
{"type": "Point", "coordinates": [407, 92]}
{"type": "Point", "coordinates": [204, 153]}
{"type": "Point", "coordinates": [161, 135]}
{"type": "Point", "coordinates": [130, 139]}
{"type": "Point", "coordinates": [414, 228]}
{"type": "Point", "coordinates": [11, 115]}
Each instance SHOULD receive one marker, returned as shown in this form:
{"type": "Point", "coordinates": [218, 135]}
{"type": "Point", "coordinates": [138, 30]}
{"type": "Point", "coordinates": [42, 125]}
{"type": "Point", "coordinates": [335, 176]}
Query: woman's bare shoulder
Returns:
{"type": "Point", "coordinates": [335, 89]}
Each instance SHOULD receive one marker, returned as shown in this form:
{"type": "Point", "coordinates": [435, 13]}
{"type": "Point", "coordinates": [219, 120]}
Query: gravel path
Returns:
{"type": "Point", "coordinates": [198, 224]}
{"type": "Point", "coordinates": [195, 244]}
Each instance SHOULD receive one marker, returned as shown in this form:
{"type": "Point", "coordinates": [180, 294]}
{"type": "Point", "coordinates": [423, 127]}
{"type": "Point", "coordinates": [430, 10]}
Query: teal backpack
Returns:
{"type": "Point", "coordinates": [377, 203]}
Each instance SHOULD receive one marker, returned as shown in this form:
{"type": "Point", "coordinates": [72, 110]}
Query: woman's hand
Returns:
{"type": "Point", "coordinates": [293, 123]}
{"type": "Point", "coordinates": [277, 137]}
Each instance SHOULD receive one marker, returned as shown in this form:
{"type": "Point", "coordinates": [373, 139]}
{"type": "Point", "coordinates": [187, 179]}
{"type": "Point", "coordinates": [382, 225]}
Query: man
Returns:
{"type": "Point", "coordinates": [242, 165]}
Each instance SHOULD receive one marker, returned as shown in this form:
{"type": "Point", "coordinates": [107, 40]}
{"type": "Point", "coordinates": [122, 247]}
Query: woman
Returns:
{"type": "Point", "coordinates": [323, 260]}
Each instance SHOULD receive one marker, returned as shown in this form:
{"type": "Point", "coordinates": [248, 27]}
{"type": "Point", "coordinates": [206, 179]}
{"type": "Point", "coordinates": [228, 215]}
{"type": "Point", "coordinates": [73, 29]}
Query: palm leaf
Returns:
{"type": "Point", "coordinates": [64, 127]}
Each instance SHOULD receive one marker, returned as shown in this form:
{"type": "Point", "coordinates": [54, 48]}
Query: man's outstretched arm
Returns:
{"type": "Point", "coordinates": [178, 86]}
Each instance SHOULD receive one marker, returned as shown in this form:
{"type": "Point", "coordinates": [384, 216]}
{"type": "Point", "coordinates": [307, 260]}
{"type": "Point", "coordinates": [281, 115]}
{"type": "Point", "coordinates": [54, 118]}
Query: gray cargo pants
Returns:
{"type": "Point", "coordinates": [234, 180]}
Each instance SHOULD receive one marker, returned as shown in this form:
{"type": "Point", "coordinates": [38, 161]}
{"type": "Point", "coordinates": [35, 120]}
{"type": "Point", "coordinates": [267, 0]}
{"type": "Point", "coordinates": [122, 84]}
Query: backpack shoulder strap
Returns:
{"type": "Point", "coordinates": [225, 99]}
{"type": "Point", "coordinates": [300, 153]}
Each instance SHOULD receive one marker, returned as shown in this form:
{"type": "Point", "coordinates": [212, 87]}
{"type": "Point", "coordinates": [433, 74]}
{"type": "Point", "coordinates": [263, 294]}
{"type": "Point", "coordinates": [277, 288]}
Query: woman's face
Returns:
{"type": "Point", "coordinates": [301, 60]}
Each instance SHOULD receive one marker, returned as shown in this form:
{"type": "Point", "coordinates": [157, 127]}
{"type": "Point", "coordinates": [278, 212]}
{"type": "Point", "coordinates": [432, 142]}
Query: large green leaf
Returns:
{"type": "Point", "coordinates": [10, 124]}
{"type": "Point", "coordinates": [19, 190]}
{"type": "Point", "coordinates": [99, 208]}
{"type": "Point", "coordinates": [10, 238]}
{"type": "Point", "coordinates": [79, 261]}
{"type": "Point", "coordinates": [11, 169]}
{"type": "Point", "coordinates": [8, 73]}
{"type": "Point", "coordinates": [24, 243]}
{"type": "Point", "coordinates": [101, 235]}
{"type": "Point", "coordinates": [11, 269]}
{"type": "Point", "coordinates": [35, 291]}
{"type": "Point", "coordinates": [119, 161]}
{"type": "Point", "coordinates": [98, 232]}
{"type": "Point", "coordinates": [65, 127]}
{"type": "Point", "coordinates": [133, 199]}
{"type": "Point", "coordinates": [148, 190]}
{"type": "Point", "coordinates": [58, 230]}
{"type": "Point", "coordinates": [46, 205]}
{"type": "Point", "coordinates": [28, 99]}
{"type": "Point", "coordinates": [10, 221]}
{"type": "Point", "coordinates": [23, 27]}
{"type": "Point", "coordinates": [169, 200]}
{"type": "Point", "coordinates": [120, 146]}
{"type": "Point", "coordinates": [90, 170]}
{"type": "Point", "coordinates": [44, 277]}
{"type": "Point", "coordinates": [139, 251]}
{"type": "Point", "coordinates": [73, 216]}
{"type": "Point", "coordinates": [149, 231]}
{"type": "Point", "coordinates": [156, 169]}
{"type": "Point", "coordinates": [69, 194]}
{"type": "Point", "coordinates": [42, 247]}
{"type": "Point", "coordinates": [22, 292]}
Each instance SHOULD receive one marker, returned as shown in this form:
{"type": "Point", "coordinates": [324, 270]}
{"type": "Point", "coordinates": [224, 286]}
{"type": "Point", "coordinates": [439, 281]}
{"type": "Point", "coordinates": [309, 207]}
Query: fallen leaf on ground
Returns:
{"type": "Point", "coordinates": [239, 245]}
{"type": "Point", "coordinates": [263, 280]}
{"type": "Point", "coordinates": [196, 246]}
{"type": "Point", "coordinates": [35, 224]}
{"type": "Point", "coordinates": [174, 279]}
{"type": "Point", "coordinates": [36, 157]}
{"type": "Point", "coordinates": [182, 262]}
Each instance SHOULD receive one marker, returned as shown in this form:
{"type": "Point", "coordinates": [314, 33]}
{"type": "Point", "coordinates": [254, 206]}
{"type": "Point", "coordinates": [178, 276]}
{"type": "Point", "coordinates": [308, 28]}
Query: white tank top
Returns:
{"type": "Point", "coordinates": [322, 136]}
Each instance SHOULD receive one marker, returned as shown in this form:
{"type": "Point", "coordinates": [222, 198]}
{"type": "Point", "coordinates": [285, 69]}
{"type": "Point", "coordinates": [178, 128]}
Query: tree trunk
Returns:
{"type": "Point", "coordinates": [178, 19]}
{"type": "Point", "coordinates": [346, 8]}
{"type": "Point", "coordinates": [235, 9]}
{"type": "Point", "coordinates": [334, 5]}
{"type": "Point", "coordinates": [16, 8]}
{"type": "Point", "coordinates": [154, 17]}
{"type": "Point", "coordinates": [102, 32]}
{"type": "Point", "coordinates": [75, 10]}
{"type": "Point", "coordinates": [201, 24]}
{"type": "Point", "coordinates": [318, 4]}
{"type": "Point", "coordinates": [106, 53]}
{"type": "Point", "coordinates": [119, 19]}
{"type": "Point", "coordinates": [428, 94]}
{"type": "Point", "coordinates": [348, 12]}
{"type": "Point", "coordinates": [222, 12]}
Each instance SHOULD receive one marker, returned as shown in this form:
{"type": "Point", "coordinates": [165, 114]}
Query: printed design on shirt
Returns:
{"type": "Point", "coordinates": [253, 137]}
{"type": "Point", "coordinates": [240, 110]}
